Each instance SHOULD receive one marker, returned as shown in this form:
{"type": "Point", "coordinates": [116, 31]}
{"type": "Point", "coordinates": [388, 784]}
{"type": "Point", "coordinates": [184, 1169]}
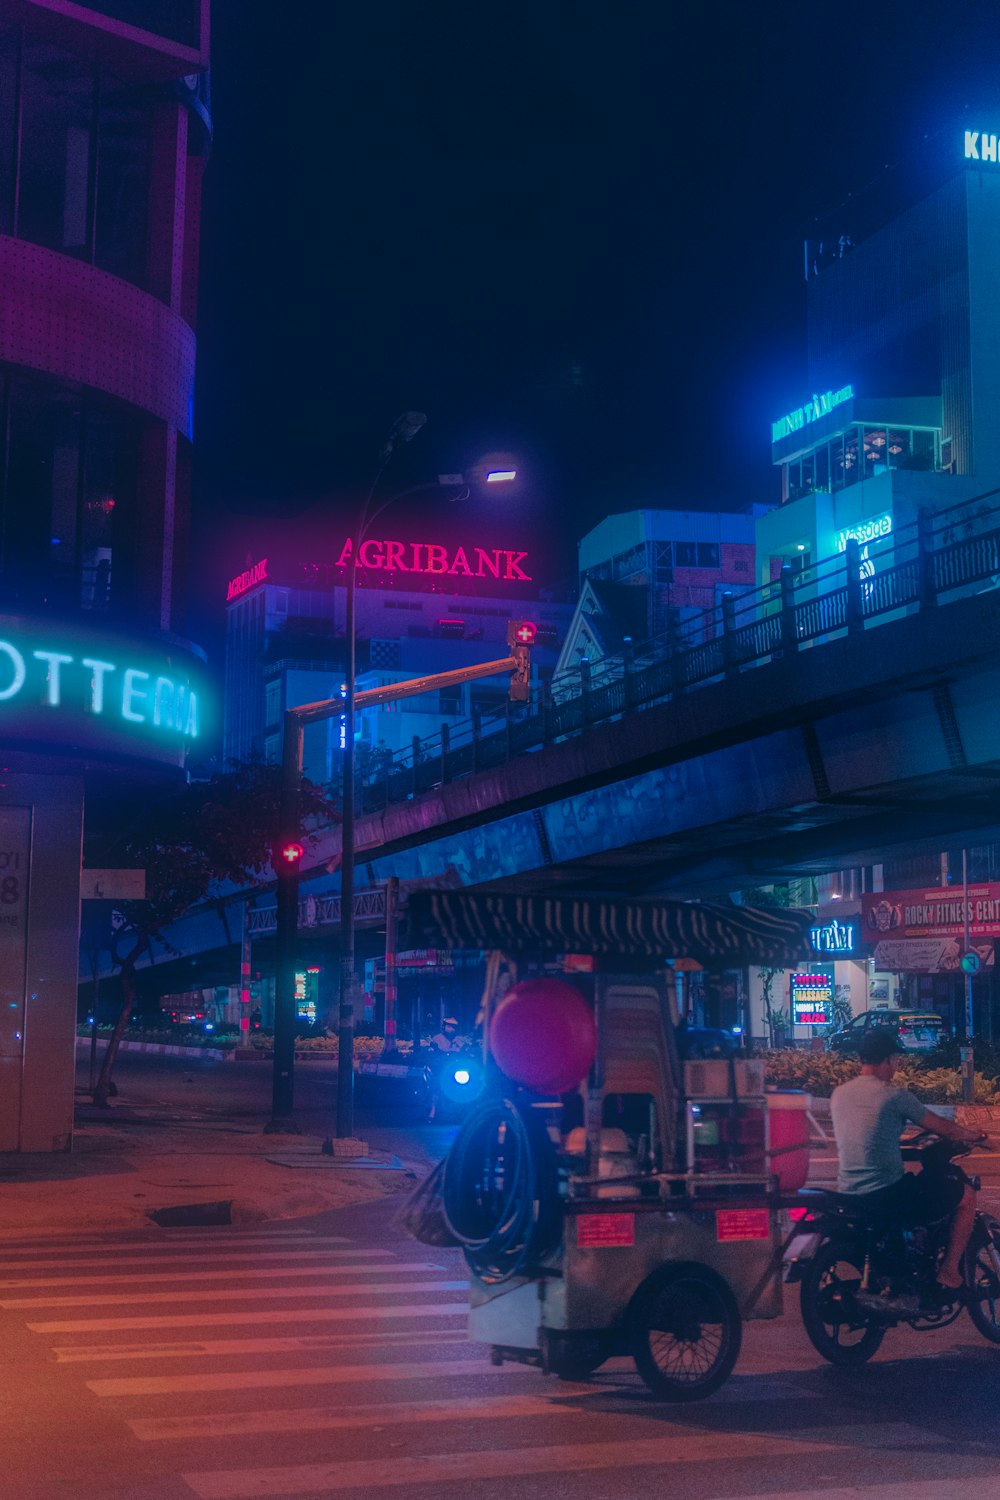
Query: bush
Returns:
{"type": "Point", "coordinates": [819, 1073]}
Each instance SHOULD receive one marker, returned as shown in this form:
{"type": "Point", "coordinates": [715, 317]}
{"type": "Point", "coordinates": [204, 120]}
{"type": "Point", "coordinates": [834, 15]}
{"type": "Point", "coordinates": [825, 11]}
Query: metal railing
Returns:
{"type": "Point", "coordinates": [320, 911]}
{"type": "Point", "coordinates": [939, 556]}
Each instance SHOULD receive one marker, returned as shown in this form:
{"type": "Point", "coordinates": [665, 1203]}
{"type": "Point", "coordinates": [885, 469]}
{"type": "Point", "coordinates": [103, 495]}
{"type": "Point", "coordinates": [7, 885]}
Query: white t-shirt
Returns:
{"type": "Point", "coordinates": [868, 1117]}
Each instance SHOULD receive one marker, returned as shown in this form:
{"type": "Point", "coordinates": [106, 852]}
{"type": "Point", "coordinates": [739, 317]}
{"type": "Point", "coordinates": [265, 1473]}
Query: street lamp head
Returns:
{"type": "Point", "coordinates": [501, 476]}
{"type": "Point", "coordinates": [403, 430]}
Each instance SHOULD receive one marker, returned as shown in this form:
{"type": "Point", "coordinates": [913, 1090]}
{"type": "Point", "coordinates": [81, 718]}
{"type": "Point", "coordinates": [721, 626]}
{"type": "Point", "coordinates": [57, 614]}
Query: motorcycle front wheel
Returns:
{"type": "Point", "coordinates": [837, 1328]}
{"type": "Point", "coordinates": [982, 1277]}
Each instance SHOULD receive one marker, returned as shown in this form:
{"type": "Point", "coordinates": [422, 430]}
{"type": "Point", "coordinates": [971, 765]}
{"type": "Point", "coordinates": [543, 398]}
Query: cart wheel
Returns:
{"type": "Point", "coordinates": [685, 1332]}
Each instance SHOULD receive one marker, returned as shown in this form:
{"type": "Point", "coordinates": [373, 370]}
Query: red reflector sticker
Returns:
{"type": "Point", "coordinates": [742, 1224]}
{"type": "Point", "coordinates": [602, 1231]}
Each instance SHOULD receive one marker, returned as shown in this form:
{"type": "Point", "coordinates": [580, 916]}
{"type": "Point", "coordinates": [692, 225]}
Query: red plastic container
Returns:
{"type": "Point", "coordinates": [788, 1137]}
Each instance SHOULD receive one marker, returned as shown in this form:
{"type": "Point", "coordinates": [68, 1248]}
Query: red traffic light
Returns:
{"type": "Point", "coordinates": [521, 632]}
{"type": "Point", "coordinates": [291, 853]}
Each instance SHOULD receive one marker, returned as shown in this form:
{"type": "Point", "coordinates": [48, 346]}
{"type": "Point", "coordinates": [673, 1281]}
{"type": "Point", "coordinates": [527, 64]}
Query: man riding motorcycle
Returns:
{"type": "Point", "coordinates": [868, 1116]}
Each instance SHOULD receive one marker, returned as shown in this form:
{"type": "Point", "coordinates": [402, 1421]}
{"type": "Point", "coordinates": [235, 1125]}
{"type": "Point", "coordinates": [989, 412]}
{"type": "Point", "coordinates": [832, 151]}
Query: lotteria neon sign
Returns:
{"type": "Point", "coordinates": [128, 693]}
{"type": "Point", "coordinates": [429, 557]}
{"type": "Point", "coordinates": [94, 693]}
{"type": "Point", "coordinates": [248, 579]}
{"type": "Point", "coordinates": [810, 412]}
{"type": "Point", "coordinates": [979, 147]}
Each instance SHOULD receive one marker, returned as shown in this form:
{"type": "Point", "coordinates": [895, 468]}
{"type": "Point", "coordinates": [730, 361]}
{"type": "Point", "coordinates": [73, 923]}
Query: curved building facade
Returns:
{"type": "Point", "coordinates": [104, 129]}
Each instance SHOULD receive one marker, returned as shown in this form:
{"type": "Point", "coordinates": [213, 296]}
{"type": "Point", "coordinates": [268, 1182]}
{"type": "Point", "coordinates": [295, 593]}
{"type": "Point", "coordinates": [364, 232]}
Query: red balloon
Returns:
{"type": "Point", "coordinates": [542, 1035]}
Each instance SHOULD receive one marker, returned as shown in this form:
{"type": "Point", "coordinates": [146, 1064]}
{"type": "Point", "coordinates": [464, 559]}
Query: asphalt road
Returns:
{"type": "Point", "coordinates": [329, 1357]}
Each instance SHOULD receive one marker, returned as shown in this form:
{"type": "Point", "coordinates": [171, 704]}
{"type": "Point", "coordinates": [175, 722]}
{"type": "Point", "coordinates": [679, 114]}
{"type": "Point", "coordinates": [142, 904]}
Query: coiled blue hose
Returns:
{"type": "Point", "coordinates": [500, 1191]}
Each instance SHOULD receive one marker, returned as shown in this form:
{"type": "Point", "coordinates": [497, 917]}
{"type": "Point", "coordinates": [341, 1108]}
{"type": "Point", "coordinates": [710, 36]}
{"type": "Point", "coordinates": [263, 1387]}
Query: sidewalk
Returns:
{"type": "Point", "coordinates": [129, 1163]}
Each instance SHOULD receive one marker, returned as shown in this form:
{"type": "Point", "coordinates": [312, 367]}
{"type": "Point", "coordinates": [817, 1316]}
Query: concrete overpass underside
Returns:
{"type": "Point", "coordinates": [887, 740]}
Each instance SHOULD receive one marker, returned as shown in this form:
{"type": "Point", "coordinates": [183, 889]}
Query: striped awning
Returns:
{"type": "Point", "coordinates": [716, 936]}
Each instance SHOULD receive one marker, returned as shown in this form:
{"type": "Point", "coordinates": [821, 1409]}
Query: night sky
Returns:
{"type": "Point", "coordinates": [572, 231]}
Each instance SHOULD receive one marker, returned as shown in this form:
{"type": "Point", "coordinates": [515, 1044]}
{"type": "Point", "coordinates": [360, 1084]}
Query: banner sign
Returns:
{"type": "Point", "coordinates": [838, 938]}
{"type": "Point", "coordinates": [938, 912]}
{"type": "Point", "coordinates": [818, 407]}
{"type": "Point", "coordinates": [812, 999]}
{"type": "Point", "coordinates": [930, 955]}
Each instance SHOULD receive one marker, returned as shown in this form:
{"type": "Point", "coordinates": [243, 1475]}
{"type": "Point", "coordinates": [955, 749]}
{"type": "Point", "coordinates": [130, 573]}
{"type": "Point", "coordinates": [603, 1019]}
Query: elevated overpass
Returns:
{"type": "Point", "coordinates": [787, 736]}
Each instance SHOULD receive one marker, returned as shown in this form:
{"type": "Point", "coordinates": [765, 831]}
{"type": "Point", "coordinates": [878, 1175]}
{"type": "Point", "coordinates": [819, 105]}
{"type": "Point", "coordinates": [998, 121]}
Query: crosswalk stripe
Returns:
{"type": "Point", "coordinates": [255, 1318]}
{"type": "Point", "coordinates": [99, 1240]}
{"type": "Point", "coordinates": [903, 1489]}
{"type": "Point", "coordinates": [689, 1446]}
{"type": "Point", "coordinates": [322, 1266]}
{"type": "Point", "coordinates": [259, 1380]}
{"type": "Point", "coordinates": [222, 1294]}
{"type": "Point", "coordinates": [332, 1418]}
{"type": "Point", "coordinates": [193, 1257]}
{"type": "Point", "coordinates": [70, 1354]}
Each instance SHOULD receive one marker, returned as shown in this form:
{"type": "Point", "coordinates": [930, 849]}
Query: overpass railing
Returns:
{"type": "Point", "coordinates": [937, 557]}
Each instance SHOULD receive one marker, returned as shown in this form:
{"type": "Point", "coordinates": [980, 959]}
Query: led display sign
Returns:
{"type": "Point", "coordinates": [92, 691]}
{"type": "Point", "coordinates": [430, 557]}
{"type": "Point", "coordinates": [865, 531]}
{"type": "Point", "coordinates": [980, 147]}
{"type": "Point", "coordinates": [818, 407]}
{"type": "Point", "coordinates": [248, 579]}
{"type": "Point", "coordinates": [812, 999]}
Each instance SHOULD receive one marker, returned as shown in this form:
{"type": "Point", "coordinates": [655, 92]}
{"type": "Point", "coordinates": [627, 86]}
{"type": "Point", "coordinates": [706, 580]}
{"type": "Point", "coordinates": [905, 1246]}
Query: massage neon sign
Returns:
{"type": "Point", "coordinates": [431, 558]}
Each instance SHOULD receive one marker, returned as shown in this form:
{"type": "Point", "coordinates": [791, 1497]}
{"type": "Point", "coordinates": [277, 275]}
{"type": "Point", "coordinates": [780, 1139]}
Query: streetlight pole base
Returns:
{"type": "Point", "coordinates": [344, 1146]}
{"type": "Point", "coordinates": [282, 1125]}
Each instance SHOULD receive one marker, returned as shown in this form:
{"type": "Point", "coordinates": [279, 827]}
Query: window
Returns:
{"type": "Point", "coordinates": [822, 481]}
{"type": "Point", "coordinates": [57, 144]}
{"type": "Point", "coordinates": [450, 702]}
{"type": "Point", "coordinates": [8, 116]}
{"type": "Point", "coordinates": [708, 554]}
{"type": "Point", "coordinates": [686, 554]}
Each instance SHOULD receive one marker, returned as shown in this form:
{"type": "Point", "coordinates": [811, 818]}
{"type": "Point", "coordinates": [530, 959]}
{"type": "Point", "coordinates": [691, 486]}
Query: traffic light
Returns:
{"type": "Point", "coordinates": [520, 639]}
{"type": "Point", "coordinates": [289, 854]}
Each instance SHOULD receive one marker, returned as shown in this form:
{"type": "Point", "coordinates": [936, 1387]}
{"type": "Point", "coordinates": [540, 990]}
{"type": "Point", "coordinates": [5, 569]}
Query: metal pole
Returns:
{"type": "Point", "coordinates": [286, 938]}
{"type": "Point", "coordinates": [245, 960]}
{"type": "Point", "coordinates": [391, 903]}
{"type": "Point", "coordinates": [968, 1059]}
{"type": "Point", "coordinates": [345, 1028]}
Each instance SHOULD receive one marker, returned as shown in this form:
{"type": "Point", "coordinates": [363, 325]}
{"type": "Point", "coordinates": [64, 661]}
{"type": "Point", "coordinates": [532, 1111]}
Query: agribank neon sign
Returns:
{"type": "Point", "coordinates": [94, 691]}
{"type": "Point", "coordinates": [430, 558]}
{"type": "Point", "coordinates": [810, 412]}
{"type": "Point", "coordinates": [248, 579]}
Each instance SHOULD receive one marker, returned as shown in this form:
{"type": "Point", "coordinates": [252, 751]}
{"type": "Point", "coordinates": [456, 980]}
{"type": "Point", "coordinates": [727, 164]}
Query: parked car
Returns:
{"type": "Point", "coordinates": [919, 1030]}
{"type": "Point", "coordinates": [706, 1041]}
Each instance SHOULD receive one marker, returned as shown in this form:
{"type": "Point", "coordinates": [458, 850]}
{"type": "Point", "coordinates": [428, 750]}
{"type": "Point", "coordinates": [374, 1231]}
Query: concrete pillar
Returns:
{"type": "Point", "coordinates": [41, 843]}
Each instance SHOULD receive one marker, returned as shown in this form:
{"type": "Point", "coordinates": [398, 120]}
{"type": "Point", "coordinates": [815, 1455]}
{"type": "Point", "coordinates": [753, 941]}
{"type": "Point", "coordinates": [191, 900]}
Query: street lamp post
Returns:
{"type": "Point", "coordinates": [404, 429]}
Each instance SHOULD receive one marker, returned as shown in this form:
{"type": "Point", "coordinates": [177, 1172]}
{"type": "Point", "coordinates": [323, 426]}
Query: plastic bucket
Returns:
{"type": "Point", "coordinates": [788, 1137]}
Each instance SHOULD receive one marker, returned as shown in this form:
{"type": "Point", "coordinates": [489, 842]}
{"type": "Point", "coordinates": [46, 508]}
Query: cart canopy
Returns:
{"type": "Point", "coordinates": [715, 935]}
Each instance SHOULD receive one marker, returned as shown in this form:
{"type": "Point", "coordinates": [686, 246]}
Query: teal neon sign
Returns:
{"type": "Point", "coordinates": [96, 691]}
{"type": "Point", "coordinates": [865, 531]}
{"type": "Point", "coordinates": [137, 696]}
{"type": "Point", "coordinates": [811, 411]}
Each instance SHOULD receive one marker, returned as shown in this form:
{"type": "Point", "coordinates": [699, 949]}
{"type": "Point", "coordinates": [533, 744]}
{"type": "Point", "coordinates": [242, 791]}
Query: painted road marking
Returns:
{"type": "Point", "coordinates": [319, 1267]}
{"type": "Point", "coordinates": [255, 1319]}
{"type": "Point", "coordinates": [687, 1446]}
{"type": "Point", "coordinates": [330, 1418]}
{"type": "Point", "coordinates": [903, 1489]}
{"type": "Point", "coordinates": [98, 1239]}
{"type": "Point", "coordinates": [223, 1294]}
{"type": "Point", "coordinates": [69, 1354]}
{"type": "Point", "coordinates": [262, 1380]}
{"type": "Point", "coordinates": [194, 1257]}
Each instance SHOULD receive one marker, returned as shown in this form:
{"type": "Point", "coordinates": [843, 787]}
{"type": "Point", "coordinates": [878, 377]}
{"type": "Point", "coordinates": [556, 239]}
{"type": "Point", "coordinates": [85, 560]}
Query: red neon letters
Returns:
{"type": "Point", "coordinates": [247, 580]}
{"type": "Point", "coordinates": [429, 557]}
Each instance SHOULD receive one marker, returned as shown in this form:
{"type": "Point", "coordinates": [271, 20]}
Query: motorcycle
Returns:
{"type": "Point", "coordinates": [866, 1273]}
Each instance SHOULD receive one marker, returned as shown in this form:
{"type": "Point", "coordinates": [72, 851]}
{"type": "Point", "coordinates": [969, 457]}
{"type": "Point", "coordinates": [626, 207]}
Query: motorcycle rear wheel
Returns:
{"type": "Point", "coordinates": [982, 1277]}
{"type": "Point", "coordinates": [837, 1328]}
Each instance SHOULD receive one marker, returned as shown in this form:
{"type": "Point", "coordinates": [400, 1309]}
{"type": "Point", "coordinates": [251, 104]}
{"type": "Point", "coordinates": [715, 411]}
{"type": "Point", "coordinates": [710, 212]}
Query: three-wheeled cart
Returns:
{"type": "Point", "coordinates": [591, 1224]}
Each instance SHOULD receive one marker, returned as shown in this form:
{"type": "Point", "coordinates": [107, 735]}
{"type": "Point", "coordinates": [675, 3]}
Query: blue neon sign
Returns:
{"type": "Point", "coordinates": [980, 147]}
{"type": "Point", "coordinates": [810, 412]}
